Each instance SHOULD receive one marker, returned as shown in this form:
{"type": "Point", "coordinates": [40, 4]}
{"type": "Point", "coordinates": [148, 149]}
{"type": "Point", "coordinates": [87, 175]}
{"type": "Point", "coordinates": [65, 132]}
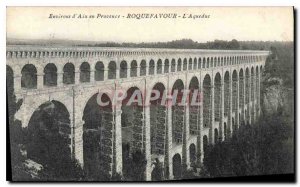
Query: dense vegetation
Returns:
{"type": "Point", "coordinates": [190, 44]}
{"type": "Point", "coordinates": [280, 64]}
{"type": "Point", "coordinates": [263, 148]}
{"type": "Point", "coordinates": [260, 149]}
{"type": "Point", "coordinates": [176, 44]}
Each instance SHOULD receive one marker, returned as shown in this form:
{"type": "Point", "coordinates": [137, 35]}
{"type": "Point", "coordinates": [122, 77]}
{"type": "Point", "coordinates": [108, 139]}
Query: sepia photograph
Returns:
{"type": "Point", "coordinates": [143, 94]}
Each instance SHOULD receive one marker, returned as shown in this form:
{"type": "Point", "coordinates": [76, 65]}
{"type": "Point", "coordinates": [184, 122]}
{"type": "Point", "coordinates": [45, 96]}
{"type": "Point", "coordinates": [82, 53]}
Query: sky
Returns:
{"type": "Point", "coordinates": [224, 23]}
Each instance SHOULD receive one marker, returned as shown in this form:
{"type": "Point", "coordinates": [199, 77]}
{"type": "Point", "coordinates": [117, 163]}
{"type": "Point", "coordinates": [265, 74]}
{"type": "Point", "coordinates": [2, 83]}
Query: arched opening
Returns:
{"type": "Point", "coordinates": [190, 64]}
{"type": "Point", "coordinates": [241, 94]}
{"type": "Point", "coordinates": [207, 101]}
{"type": "Point", "coordinates": [29, 77]}
{"type": "Point", "coordinates": [157, 173]}
{"type": "Point", "coordinates": [50, 75]}
{"type": "Point", "coordinates": [257, 89]}
{"type": "Point", "coordinates": [234, 126]}
{"type": "Point", "coordinates": [97, 137]}
{"type": "Point", "coordinates": [99, 71]}
{"type": "Point", "coordinates": [252, 84]}
{"type": "Point", "coordinates": [179, 65]}
{"type": "Point", "coordinates": [247, 117]}
{"type": "Point", "coordinates": [217, 98]}
{"type": "Point", "coordinates": [123, 69]}
{"type": "Point", "coordinates": [194, 99]}
{"type": "Point", "coordinates": [177, 166]}
{"type": "Point", "coordinates": [133, 69]}
{"type": "Point", "coordinates": [167, 65]}
{"type": "Point", "coordinates": [193, 156]}
{"type": "Point", "coordinates": [177, 112]}
{"type": "Point", "coordinates": [85, 72]}
{"type": "Point", "coordinates": [184, 64]}
{"type": "Point", "coordinates": [195, 64]}
{"type": "Point", "coordinates": [69, 74]}
{"type": "Point", "coordinates": [158, 121]}
{"type": "Point", "coordinates": [9, 80]}
{"type": "Point", "coordinates": [151, 67]}
{"type": "Point", "coordinates": [215, 62]}
{"type": "Point", "coordinates": [203, 65]}
{"type": "Point", "coordinates": [49, 133]}
{"type": "Point", "coordinates": [252, 94]}
{"type": "Point", "coordinates": [235, 94]}
{"type": "Point", "coordinates": [133, 137]}
{"type": "Point", "coordinates": [216, 133]}
{"type": "Point", "coordinates": [10, 94]}
{"type": "Point", "coordinates": [247, 93]}
{"type": "Point", "coordinates": [247, 86]}
{"type": "Point", "coordinates": [112, 70]}
{"type": "Point", "coordinates": [205, 144]}
{"type": "Point", "coordinates": [226, 94]}
{"type": "Point", "coordinates": [225, 131]}
{"type": "Point", "coordinates": [159, 67]}
{"type": "Point", "coordinates": [173, 65]}
{"type": "Point", "coordinates": [222, 61]}
{"type": "Point", "coordinates": [143, 68]}
{"type": "Point", "coordinates": [199, 63]}
{"type": "Point", "coordinates": [207, 63]}
{"type": "Point", "coordinates": [260, 83]}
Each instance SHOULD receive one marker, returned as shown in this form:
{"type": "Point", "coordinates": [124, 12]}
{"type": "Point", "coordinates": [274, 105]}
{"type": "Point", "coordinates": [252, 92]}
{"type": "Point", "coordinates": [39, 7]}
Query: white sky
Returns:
{"type": "Point", "coordinates": [241, 23]}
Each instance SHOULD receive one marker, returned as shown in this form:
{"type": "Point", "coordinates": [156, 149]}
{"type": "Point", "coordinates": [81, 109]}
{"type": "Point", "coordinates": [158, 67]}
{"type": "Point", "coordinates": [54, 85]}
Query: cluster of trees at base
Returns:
{"type": "Point", "coordinates": [61, 168]}
{"type": "Point", "coordinates": [70, 170]}
{"type": "Point", "coordinates": [266, 147]}
{"type": "Point", "coordinates": [263, 148]}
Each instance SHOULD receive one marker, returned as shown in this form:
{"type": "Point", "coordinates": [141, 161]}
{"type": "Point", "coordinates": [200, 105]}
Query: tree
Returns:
{"type": "Point", "coordinates": [135, 166]}
{"type": "Point", "coordinates": [16, 133]}
{"type": "Point", "coordinates": [157, 173]}
{"type": "Point", "coordinates": [262, 148]}
{"type": "Point", "coordinates": [234, 44]}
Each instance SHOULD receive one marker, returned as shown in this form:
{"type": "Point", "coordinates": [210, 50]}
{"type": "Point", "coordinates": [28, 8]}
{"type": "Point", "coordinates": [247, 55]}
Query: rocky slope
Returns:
{"type": "Point", "coordinates": [276, 97]}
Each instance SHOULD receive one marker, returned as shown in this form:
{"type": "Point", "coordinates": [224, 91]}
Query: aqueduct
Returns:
{"type": "Point", "coordinates": [102, 138]}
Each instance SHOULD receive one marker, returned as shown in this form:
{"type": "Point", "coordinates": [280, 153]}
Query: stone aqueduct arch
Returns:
{"type": "Point", "coordinates": [230, 96]}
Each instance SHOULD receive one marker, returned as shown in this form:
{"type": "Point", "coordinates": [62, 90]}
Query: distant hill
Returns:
{"type": "Point", "coordinates": [175, 44]}
{"type": "Point", "coordinates": [47, 42]}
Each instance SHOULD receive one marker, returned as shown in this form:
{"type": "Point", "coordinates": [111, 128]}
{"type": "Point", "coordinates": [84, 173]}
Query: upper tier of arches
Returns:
{"type": "Point", "coordinates": [81, 70]}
